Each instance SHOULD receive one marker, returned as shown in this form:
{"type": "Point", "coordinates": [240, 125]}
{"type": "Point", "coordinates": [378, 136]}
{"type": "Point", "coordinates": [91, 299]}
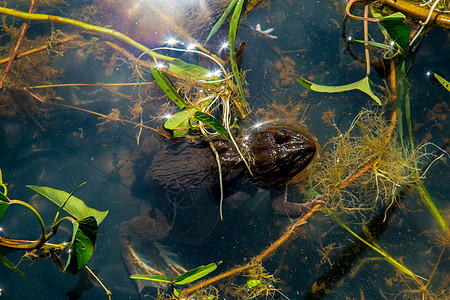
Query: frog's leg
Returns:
{"type": "Point", "coordinates": [290, 209]}
{"type": "Point", "coordinates": [143, 254]}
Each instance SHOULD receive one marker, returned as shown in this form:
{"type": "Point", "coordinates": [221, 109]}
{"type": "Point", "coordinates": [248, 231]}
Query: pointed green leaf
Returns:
{"type": "Point", "coordinates": [82, 246]}
{"type": "Point", "coordinates": [75, 206]}
{"type": "Point", "coordinates": [362, 85]}
{"type": "Point", "coordinates": [180, 120]}
{"type": "Point", "coordinates": [187, 70]}
{"type": "Point", "coordinates": [176, 293]}
{"type": "Point", "coordinates": [220, 21]}
{"type": "Point", "coordinates": [444, 82]}
{"type": "Point", "coordinates": [213, 123]}
{"type": "Point", "coordinates": [167, 87]}
{"type": "Point", "coordinates": [151, 278]}
{"type": "Point", "coordinates": [232, 38]}
{"type": "Point", "coordinates": [9, 264]}
{"type": "Point", "coordinates": [195, 274]}
{"type": "Point", "coordinates": [4, 203]}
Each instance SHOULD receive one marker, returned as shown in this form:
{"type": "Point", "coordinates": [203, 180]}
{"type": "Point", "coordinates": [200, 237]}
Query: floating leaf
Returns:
{"type": "Point", "coordinates": [151, 278]}
{"type": "Point", "coordinates": [167, 87]}
{"type": "Point", "coordinates": [362, 85]}
{"type": "Point", "coordinates": [444, 82]}
{"type": "Point", "coordinates": [6, 262]}
{"type": "Point", "coordinates": [222, 18]}
{"type": "Point", "coordinates": [195, 274]}
{"type": "Point", "coordinates": [75, 206]}
{"type": "Point", "coordinates": [82, 246]}
{"type": "Point", "coordinates": [180, 120]}
{"type": "Point", "coordinates": [253, 282]}
{"type": "Point", "coordinates": [213, 123]}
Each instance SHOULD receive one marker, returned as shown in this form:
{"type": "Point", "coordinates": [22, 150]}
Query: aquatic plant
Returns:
{"type": "Point", "coordinates": [363, 168]}
{"type": "Point", "coordinates": [80, 247]}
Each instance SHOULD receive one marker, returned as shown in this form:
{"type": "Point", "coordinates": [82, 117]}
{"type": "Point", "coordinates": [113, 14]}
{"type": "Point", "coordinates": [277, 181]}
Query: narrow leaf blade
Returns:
{"type": "Point", "coordinates": [220, 21]}
{"type": "Point", "coordinates": [167, 87]}
{"type": "Point", "coordinates": [195, 274]}
{"type": "Point", "coordinates": [7, 263]}
{"type": "Point", "coordinates": [151, 278]}
{"type": "Point", "coordinates": [444, 82]}
{"type": "Point", "coordinates": [232, 39]}
{"type": "Point", "coordinates": [213, 123]}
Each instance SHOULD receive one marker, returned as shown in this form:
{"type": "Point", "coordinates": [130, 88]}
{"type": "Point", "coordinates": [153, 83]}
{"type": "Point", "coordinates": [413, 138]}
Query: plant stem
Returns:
{"type": "Point", "coordinates": [20, 245]}
{"type": "Point", "coordinates": [85, 26]}
{"type": "Point", "coordinates": [415, 11]}
{"type": "Point", "coordinates": [58, 42]}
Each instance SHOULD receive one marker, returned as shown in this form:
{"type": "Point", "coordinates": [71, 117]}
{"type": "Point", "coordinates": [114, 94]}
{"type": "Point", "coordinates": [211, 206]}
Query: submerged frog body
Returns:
{"type": "Point", "coordinates": [277, 155]}
{"type": "Point", "coordinates": [184, 178]}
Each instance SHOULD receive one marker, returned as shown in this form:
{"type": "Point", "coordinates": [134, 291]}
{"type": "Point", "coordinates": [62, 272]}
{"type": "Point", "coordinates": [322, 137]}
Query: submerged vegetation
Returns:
{"type": "Point", "coordinates": [364, 172]}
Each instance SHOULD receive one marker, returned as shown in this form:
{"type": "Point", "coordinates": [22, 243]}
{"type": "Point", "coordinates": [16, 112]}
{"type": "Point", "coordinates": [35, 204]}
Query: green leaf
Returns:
{"type": "Point", "coordinates": [180, 120]}
{"type": "Point", "coordinates": [220, 21]}
{"type": "Point", "coordinates": [75, 206]}
{"type": "Point", "coordinates": [253, 282]}
{"type": "Point", "coordinates": [397, 30]}
{"type": "Point", "coordinates": [195, 274]}
{"type": "Point", "coordinates": [167, 87]}
{"type": "Point", "coordinates": [232, 39]}
{"type": "Point", "coordinates": [213, 123]}
{"type": "Point", "coordinates": [444, 82]}
{"type": "Point", "coordinates": [9, 264]}
{"type": "Point", "coordinates": [4, 203]}
{"type": "Point", "coordinates": [176, 293]}
{"type": "Point", "coordinates": [151, 278]}
{"type": "Point", "coordinates": [311, 194]}
{"type": "Point", "coordinates": [426, 198]}
{"type": "Point", "coordinates": [362, 85]}
{"type": "Point", "coordinates": [67, 200]}
{"type": "Point", "coordinates": [187, 70]}
{"type": "Point", "coordinates": [82, 246]}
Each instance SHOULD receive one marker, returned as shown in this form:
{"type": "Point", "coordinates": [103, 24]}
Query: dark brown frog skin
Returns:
{"type": "Point", "coordinates": [278, 155]}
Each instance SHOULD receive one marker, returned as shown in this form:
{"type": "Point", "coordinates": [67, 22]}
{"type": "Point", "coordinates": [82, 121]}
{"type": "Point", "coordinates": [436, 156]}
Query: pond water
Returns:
{"type": "Point", "coordinates": [62, 146]}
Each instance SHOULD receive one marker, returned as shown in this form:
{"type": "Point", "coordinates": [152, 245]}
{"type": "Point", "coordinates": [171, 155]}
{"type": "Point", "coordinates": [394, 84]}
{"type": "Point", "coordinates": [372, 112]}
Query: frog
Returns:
{"type": "Point", "coordinates": [184, 175]}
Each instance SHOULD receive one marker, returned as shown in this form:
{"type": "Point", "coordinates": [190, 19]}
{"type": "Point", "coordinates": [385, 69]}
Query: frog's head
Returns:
{"type": "Point", "coordinates": [281, 154]}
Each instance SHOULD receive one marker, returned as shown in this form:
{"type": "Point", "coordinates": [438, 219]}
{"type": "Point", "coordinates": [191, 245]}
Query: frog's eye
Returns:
{"type": "Point", "coordinates": [282, 137]}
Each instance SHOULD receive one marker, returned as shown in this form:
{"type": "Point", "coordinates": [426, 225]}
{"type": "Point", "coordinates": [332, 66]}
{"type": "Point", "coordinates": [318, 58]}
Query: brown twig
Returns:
{"type": "Point", "coordinates": [347, 11]}
{"type": "Point", "coordinates": [42, 48]}
{"type": "Point", "coordinates": [16, 49]}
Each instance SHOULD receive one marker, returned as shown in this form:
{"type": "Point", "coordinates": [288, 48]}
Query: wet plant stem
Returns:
{"type": "Point", "coordinates": [85, 26]}
{"type": "Point", "coordinates": [366, 38]}
{"type": "Point", "coordinates": [418, 12]}
{"type": "Point", "coordinates": [20, 245]}
{"type": "Point", "coordinates": [365, 18]}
